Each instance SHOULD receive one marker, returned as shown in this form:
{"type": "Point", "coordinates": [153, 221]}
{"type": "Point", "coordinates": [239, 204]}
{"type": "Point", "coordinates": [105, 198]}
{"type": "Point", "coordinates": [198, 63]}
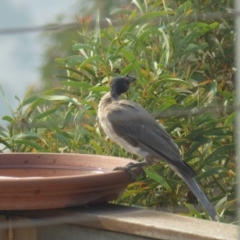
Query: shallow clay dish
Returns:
{"type": "Point", "coordinates": [43, 181]}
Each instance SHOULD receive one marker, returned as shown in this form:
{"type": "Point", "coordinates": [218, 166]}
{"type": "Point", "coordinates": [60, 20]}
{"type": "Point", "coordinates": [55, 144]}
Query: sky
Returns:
{"type": "Point", "coordinates": [20, 54]}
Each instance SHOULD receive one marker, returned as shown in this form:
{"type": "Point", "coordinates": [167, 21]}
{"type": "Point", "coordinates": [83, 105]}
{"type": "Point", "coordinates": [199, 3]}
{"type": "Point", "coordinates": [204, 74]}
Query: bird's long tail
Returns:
{"type": "Point", "coordinates": [193, 185]}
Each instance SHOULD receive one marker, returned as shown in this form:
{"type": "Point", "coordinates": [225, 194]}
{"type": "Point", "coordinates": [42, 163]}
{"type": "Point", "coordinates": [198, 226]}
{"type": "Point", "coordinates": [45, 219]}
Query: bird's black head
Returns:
{"type": "Point", "coordinates": [120, 85]}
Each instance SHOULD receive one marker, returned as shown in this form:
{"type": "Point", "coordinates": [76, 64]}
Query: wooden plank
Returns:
{"type": "Point", "coordinates": [135, 221]}
{"type": "Point", "coordinates": [9, 232]}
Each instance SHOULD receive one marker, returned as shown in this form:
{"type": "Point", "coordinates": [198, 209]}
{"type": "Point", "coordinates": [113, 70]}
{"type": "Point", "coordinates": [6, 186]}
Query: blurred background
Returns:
{"type": "Point", "coordinates": [27, 57]}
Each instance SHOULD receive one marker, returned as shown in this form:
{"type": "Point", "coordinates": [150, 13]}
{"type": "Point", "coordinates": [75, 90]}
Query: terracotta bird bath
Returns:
{"type": "Point", "coordinates": [44, 181]}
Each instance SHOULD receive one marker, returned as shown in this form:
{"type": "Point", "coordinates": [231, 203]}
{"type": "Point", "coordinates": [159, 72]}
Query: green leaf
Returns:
{"type": "Point", "coordinates": [89, 70]}
{"type": "Point", "coordinates": [33, 106]}
{"type": "Point", "coordinates": [77, 84]}
{"type": "Point", "coordinates": [68, 78]}
{"type": "Point", "coordinates": [5, 143]}
{"type": "Point", "coordinates": [60, 60]}
{"type": "Point", "coordinates": [167, 104]}
{"type": "Point", "coordinates": [131, 58]}
{"type": "Point", "coordinates": [97, 34]}
{"type": "Point", "coordinates": [230, 119]}
{"type": "Point", "coordinates": [213, 25]}
{"type": "Point", "coordinates": [29, 100]}
{"type": "Point", "coordinates": [95, 60]}
{"type": "Point", "coordinates": [126, 27]}
{"type": "Point", "coordinates": [220, 131]}
{"type": "Point", "coordinates": [83, 46]}
{"type": "Point", "coordinates": [194, 147]}
{"type": "Point", "coordinates": [73, 70]}
{"type": "Point", "coordinates": [31, 144]}
{"type": "Point", "coordinates": [196, 135]}
{"type": "Point", "coordinates": [59, 98]}
{"type": "Point", "coordinates": [149, 17]}
{"type": "Point", "coordinates": [209, 172]}
{"type": "Point", "coordinates": [127, 69]}
{"type": "Point", "coordinates": [27, 135]}
{"type": "Point", "coordinates": [96, 146]}
{"type": "Point", "coordinates": [139, 5]}
{"type": "Point", "coordinates": [193, 211]}
{"type": "Point", "coordinates": [223, 149]}
{"type": "Point", "coordinates": [46, 113]}
{"type": "Point", "coordinates": [175, 80]}
{"type": "Point", "coordinates": [61, 136]}
{"type": "Point", "coordinates": [120, 11]}
{"type": "Point", "coordinates": [99, 89]}
{"type": "Point", "coordinates": [153, 175]}
{"type": "Point", "coordinates": [7, 118]}
{"type": "Point", "coordinates": [129, 193]}
{"type": "Point", "coordinates": [74, 60]}
{"type": "Point", "coordinates": [184, 7]}
{"type": "Point", "coordinates": [167, 46]}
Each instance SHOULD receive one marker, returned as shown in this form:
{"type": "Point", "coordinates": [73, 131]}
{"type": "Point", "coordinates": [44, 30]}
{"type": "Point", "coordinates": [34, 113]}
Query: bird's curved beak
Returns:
{"type": "Point", "coordinates": [131, 78]}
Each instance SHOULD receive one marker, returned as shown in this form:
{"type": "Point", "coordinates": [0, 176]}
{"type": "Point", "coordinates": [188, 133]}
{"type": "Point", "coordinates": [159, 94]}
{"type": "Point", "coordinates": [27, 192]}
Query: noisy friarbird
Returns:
{"type": "Point", "coordinates": [133, 128]}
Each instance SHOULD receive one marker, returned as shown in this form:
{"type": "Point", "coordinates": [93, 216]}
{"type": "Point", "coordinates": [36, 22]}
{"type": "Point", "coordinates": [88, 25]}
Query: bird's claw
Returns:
{"type": "Point", "coordinates": [131, 165]}
{"type": "Point", "coordinates": [133, 175]}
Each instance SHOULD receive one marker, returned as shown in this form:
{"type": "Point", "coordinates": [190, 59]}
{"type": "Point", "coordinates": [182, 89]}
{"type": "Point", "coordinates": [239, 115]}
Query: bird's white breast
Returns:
{"type": "Point", "coordinates": [107, 127]}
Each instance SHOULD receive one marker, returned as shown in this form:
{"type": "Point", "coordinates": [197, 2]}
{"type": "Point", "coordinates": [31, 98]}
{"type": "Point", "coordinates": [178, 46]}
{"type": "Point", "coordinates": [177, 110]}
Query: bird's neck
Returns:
{"type": "Point", "coordinates": [114, 94]}
{"type": "Point", "coordinates": [106, 100]}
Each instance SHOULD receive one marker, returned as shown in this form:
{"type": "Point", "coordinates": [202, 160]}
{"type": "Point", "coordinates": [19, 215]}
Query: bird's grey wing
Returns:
{"type": "Point", "coordinates": [136, 126]}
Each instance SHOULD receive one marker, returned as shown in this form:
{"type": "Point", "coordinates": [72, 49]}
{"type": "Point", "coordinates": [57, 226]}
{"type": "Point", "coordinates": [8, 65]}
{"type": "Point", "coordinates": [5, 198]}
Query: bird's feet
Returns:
{"type": "Point", "coordinates": [131, 165]}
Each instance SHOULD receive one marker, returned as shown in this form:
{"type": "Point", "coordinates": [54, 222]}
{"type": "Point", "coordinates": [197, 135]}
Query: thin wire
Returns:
{"type": "Point", "coordinates": [51, 27]}
{"type": "Point", "coordinates": [103, 23]}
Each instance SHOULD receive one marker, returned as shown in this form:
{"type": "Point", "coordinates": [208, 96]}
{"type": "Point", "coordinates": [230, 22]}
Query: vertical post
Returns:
{"type": "Point", "coordinates": [237, 103]}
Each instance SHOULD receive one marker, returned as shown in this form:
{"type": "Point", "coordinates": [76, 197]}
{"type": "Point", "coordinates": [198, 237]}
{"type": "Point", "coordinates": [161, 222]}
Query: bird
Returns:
{"type": "Point", "coordinates": [133, 128]}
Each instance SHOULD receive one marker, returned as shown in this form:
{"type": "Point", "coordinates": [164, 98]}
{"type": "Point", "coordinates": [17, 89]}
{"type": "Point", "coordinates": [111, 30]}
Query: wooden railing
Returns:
{"type": "Point", "coordinates": [107, 221]}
